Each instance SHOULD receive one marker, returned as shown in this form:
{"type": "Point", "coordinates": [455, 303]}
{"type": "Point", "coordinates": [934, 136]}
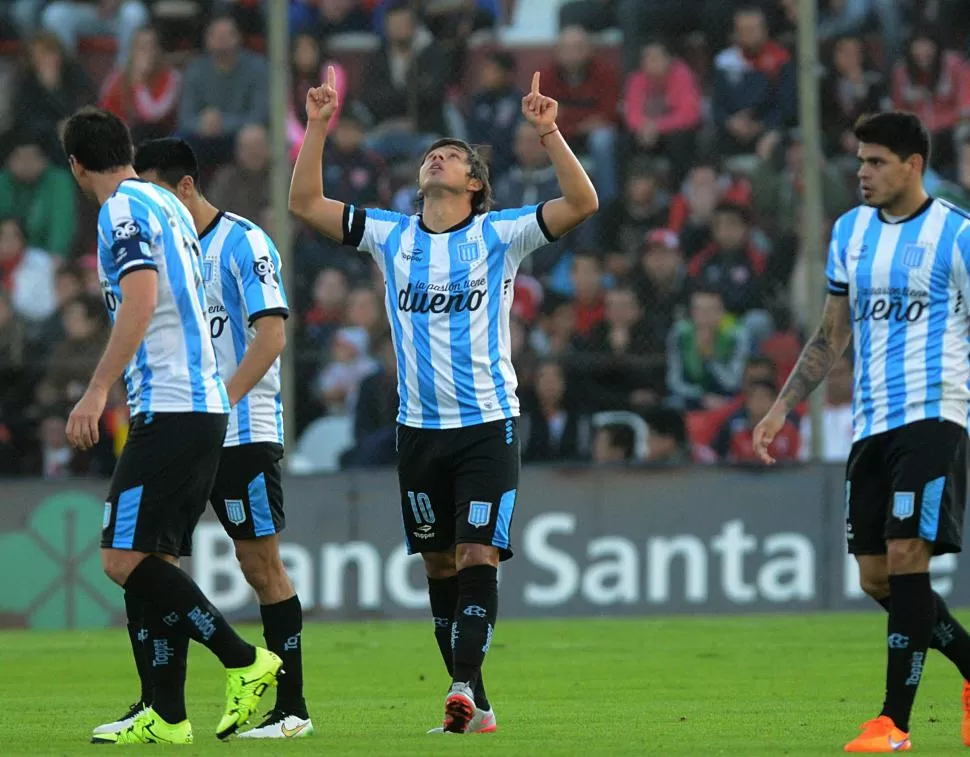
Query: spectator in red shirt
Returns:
{"type": "Point", "coordinates": [935, 85]}
{"type": "Point", "coordinates": [663, 107]}
{"type": "Point", "coordinates": [692, 211]}
{"type": "Point", "coordinates": [590, 301]}
{"type": "Point", "coordinates": [145, 92]}
{"type": "Point", "coordinates": [730, 263]}
{"type": "Point", "coordinates": [588, 92]}
{"type": "Point", "coordinates": [733, 443]}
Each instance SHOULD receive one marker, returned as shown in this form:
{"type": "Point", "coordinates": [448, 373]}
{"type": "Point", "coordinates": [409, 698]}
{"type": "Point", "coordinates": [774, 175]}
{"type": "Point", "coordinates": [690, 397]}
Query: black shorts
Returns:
{"type": "Point", "coordinates": [162, 481]}
{"type": "Point", "coordinates": [907, 483]}
{"type": "Point", "coordinates": [248, 494]}
{"type": "Point", "coordinates": [458, 486]}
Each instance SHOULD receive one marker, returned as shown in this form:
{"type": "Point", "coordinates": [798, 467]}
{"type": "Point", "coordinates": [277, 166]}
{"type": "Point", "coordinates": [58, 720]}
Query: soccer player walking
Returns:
{"type": "Point", "coordinates": [247, 308]}
{"type": "Point", "coordinates": [449, 272]}
{"type": "Point", "coordinates": [151, 277]}
{"type": "Point", "coordinates": [899, 287]}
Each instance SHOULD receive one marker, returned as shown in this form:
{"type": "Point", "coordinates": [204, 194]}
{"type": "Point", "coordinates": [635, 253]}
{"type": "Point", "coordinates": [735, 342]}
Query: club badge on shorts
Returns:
{"type": "Point", "coordinates": [479, 513]}
{"type": "Point", "coordinates": [235, 511]}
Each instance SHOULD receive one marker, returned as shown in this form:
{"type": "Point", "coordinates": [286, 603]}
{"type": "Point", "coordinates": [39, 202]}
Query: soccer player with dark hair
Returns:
{"type": "Point", "coordinates": [151, 277]}
{"type": "Point", "coordinates": [898, 287]}
{"type": "Point", "coordinates": [247, 307]}
{"type": "Point", "coordinates": [449, 272]}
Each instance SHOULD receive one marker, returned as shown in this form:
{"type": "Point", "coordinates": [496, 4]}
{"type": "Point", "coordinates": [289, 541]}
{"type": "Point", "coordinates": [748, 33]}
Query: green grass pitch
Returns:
{"type": "Point", "coordinates": [796, 685]}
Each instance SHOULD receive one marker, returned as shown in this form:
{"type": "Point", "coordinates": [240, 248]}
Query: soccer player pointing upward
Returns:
{"type": "Point", "coordinates": [449, 274]}
{"type": "Point", "coordinates": [899, 287]}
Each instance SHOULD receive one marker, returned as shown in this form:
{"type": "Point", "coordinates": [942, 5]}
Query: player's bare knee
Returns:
{"type": "Point", "coordinates": [469, 555]}
{"type": "Point", "coordinates": [874, 575]}
{"type": "Point", "coordinates": [908, 556]}
{"type": "Point", "coordinates": [118, 564]}
{"type": "Point", "coordinates": [439, 564]}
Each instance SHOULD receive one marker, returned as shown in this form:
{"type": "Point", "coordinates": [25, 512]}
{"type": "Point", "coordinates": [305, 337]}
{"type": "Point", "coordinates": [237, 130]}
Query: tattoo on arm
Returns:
{"type": "Point", "coordinates": [814, 363]}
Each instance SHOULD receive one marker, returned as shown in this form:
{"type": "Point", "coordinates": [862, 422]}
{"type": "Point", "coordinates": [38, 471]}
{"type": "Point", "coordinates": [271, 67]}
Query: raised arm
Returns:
{"type": "Point", "coordinates": [578, 201]}
{"type": "Point", "coordinates": [823, 349]}
{"type": "Point", "coordinates": [307, 201]}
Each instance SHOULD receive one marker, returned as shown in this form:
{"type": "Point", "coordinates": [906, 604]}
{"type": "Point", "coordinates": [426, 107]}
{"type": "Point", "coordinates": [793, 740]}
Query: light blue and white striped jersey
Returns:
{"type": "Point", "coordinates": [174, 370]}
{"type": "Point", "coordinates": [908, 287]}
{"type": "Point", "coordinates": [242, 284]}
{"type": "Point", "coordinates": [449, 300]}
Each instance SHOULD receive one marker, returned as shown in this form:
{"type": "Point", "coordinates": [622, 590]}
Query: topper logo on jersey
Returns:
{"type": "Point", "coordinates": [410, 300]}
{"type": "Point", "coordinates": [265, 269]}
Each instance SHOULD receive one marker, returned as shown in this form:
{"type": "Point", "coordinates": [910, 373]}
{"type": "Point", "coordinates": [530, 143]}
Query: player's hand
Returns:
{"type": "Point", "coordinates": [766, 431]}
{"type": "Point", "coordinates": [539, 110]}
{"type": "Point", "coordinates": [322, 101]}
{"type": "Point", "coordinates": [82, 424]}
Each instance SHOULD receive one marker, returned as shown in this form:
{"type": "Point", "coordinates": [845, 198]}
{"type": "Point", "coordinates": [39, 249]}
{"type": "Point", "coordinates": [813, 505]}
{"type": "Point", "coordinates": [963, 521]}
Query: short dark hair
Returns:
{"type": "Point", "coordinates": [502, 59]}
{"type": "Point", "coordinates": [709, 290]}
{"type": "Point", "coordinates": [98, 140]}
{"type": "Point", "coordinates": [477, 169]}
{"type": "Point", "coordinates": [399, 6]}
{"type": "Point", "coordinates": [666, 421]}
{"type": "Point", "coordinates": [621, 435]}
{"type": "Point", "coordinates": [903, 134]}
{"type": "Point", "coordinates": [735, 209]}
{"type": "Point", "coordinates": [170, 157]}
{"type": "Point", "coordinates": [762, 384]}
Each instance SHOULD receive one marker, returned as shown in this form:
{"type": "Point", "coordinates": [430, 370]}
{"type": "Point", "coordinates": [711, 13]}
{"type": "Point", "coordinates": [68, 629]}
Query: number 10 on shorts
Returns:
{"type": "Point", "coordinates": [421, 507]}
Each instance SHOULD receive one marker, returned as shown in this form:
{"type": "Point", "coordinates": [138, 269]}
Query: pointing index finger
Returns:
{"type": "Point", "coordinates": [331, 77]}
{"type": "Point", "coordinates": [535, 83]}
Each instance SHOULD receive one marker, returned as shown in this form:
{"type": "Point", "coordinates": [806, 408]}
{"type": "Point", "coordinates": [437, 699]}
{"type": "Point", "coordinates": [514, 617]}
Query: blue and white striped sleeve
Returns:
{"type": "Point", "coordinates": [125, 226]}
{"type": "Point", "coordinates": [522, 229]}
{"type": "Point", "coordinates": [960, 267]}
{"type": "Point", "coordinates": [256, 266]}
{"type": "Point", "coordinates": [835, 270]}
{"type": "Point", "coordinates": [368, 229]}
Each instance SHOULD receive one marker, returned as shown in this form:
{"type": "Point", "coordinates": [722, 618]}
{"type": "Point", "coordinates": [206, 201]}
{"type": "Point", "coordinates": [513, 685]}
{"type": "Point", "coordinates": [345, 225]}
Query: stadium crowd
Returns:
{"type": "Point", "coordinates": [658, 331]}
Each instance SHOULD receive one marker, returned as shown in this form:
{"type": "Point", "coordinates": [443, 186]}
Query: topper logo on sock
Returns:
{"type": "Point", "coordinates": [442, 622]}
{"type": "Point", "coordinates": [916, 669]}
{"type": "Point", "coordinates": [479, 513]}
{"type": "Point", "coordinates": [898, 641]}
{"type": "Point", "coordinates": [488, 638]}
{"type": "Point", "coordinates": [904, 505]}
{"type": "Point", "coordinates": [203, 621]}
{"type": "Point", "coordinates": [454, 635]}
{"type": "Point", "coordinates": [292, 643]}
{"type": "Point", "coordinates": [474, 611]}
{"type": "Point", "coordinates": [163, 652]}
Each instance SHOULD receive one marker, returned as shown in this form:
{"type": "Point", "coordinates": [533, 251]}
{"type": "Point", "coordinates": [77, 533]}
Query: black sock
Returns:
{"type": "Point", "coordinates": [475, 616]}
{"type": "Point", "coordinates": [184, 606]}
{"type": "Point", "coordinates": [137, 635]}
{"type": "Point", "coordinates": [168, 647]}
{"type": "Point", "coordinates": [444, 599]}
{"type": "Point", "coordinates": [283, 629]}
{"type": "Point", "coordinates": [949, 636]}
{"type": "Point", "coordinates": [910, 629]}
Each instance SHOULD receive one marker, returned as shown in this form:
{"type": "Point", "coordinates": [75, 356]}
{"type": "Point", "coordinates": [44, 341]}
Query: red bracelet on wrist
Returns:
{"type": "Point", "coordinates": [543, 136]}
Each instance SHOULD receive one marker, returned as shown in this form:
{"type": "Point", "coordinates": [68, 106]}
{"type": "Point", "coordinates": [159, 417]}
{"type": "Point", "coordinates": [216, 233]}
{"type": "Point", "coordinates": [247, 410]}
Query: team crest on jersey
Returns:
{"type": "Point", "coordinates": [125, 229]}
{"type": "Point", "coordinates": [207, 271]}
{"type": "Point", "coordinates": [479, 513]}
{"type": "Point", "coordinates": [235, 511]}
{"type": "Point", "coordinates": [913, 255]}
{"type": "Point", "coordinates": [904, 505]}
{"type": "Point", "coordinates": [265, 269]}
{"type": "Point", "coordinates": [469, 252]}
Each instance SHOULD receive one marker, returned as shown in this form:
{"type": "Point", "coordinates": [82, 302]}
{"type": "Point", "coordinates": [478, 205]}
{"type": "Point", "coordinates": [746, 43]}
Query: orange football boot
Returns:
{"type": "Point", "coordinates": [965, 724]}
{"type": "Point", "coordinates": [880, 735]}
